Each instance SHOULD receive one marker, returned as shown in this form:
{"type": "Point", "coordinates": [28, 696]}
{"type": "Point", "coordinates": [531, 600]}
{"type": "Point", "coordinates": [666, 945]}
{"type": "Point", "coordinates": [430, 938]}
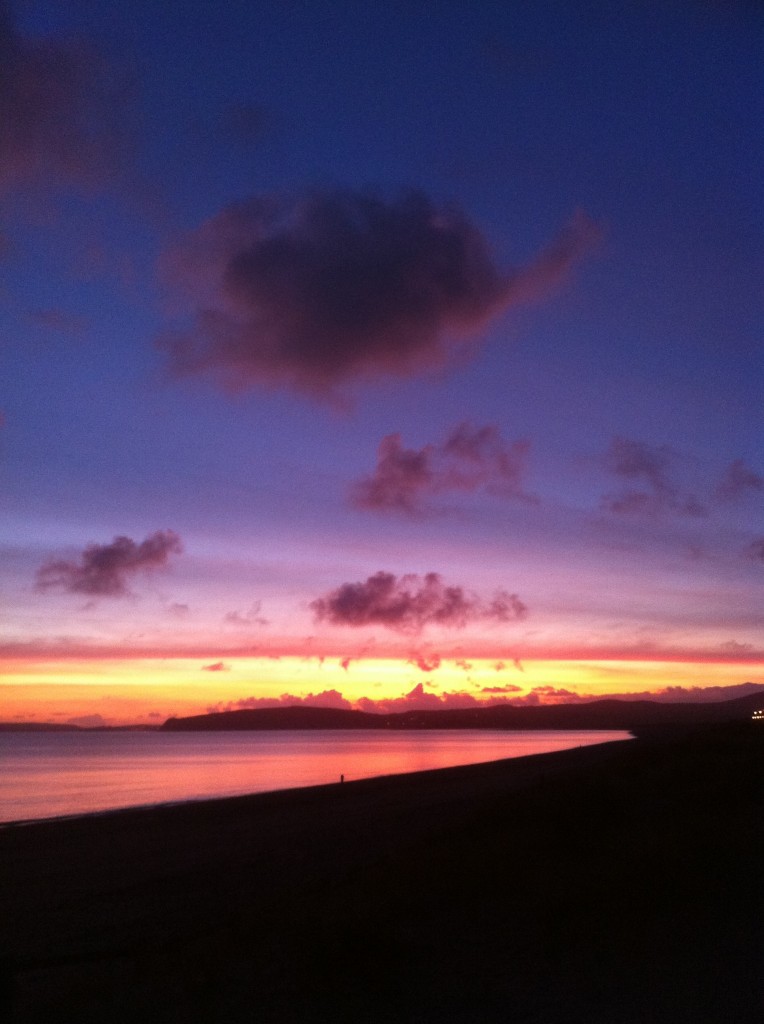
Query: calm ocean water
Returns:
{"type": "Point", "coordinates": [46, 775]}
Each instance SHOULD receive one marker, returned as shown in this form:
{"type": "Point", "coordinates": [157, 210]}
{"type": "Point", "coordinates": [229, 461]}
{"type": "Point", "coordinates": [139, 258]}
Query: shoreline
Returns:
{"type": "Point", "coordinates": [389, 896]}
{"type": "Point", "coordinates": [196, 801]}
{"type": "Point", "coordinates": [103, 807]}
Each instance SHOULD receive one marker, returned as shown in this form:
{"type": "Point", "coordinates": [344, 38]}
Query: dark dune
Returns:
{"type": "Point", "coordinates": [606, 885]}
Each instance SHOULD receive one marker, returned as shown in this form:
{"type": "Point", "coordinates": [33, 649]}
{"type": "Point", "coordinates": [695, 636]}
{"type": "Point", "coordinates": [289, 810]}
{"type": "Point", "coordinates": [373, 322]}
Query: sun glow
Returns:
{"type": "Point", "coordinates": [147, 691]}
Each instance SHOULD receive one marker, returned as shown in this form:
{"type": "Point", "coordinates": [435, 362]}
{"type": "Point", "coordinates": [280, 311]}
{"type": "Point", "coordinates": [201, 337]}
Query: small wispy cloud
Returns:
{"type": "Point", "coordinates": [251, 617]}
{"type": "Point", "coordinates": [738, 481]}
{"type": "Point", "coordinates": [103, 569]}
{"type": "Point", "coordinates": [470, 459]}
{"type": "Point", "coordinates": [651, 471]}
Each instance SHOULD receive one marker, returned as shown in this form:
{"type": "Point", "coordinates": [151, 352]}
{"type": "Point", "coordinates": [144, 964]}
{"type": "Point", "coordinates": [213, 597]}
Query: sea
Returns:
{"type": "Point", "coordinates": [60, 774]}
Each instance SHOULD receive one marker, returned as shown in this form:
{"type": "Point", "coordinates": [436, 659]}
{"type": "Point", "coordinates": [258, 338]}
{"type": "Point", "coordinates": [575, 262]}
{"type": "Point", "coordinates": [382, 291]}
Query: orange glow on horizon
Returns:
{"type": "Point", "coordinates": [146, 691]}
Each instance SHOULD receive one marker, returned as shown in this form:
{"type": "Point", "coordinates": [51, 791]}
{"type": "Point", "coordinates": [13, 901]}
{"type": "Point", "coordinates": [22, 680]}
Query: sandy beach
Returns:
{"type": "Point", "coordinates": [617, 883]}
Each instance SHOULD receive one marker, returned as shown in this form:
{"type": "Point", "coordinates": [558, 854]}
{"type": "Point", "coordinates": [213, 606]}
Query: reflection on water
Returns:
{"type": "Point", "coordinates": [45, 775]}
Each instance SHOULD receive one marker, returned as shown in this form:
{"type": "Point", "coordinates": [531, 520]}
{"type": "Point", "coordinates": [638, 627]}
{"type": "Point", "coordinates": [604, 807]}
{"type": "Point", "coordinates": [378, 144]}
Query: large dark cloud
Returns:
{"type": "Point", "coordinates": [471, 458]}
{"type": "Point", "coordinates": [103, 568]}
{"type": "Point", "coordinates": [58, 107]}
{"type": "Point", "coordinates": [338, 286]}
{"type": "Point", "coordinates": [651, 475]}
{"type": "Point", "coordinates": [409, 603]}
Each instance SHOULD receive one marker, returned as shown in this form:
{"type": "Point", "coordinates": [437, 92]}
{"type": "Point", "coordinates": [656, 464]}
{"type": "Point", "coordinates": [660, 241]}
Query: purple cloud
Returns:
{"type": "Point", "coordinates": [735, 647]}
{"type": "Point", "coordinates": [54, 99]}
{"type": "Point", "coordinates": [547, 695]}
{"type": "Point", "coordinates": [755, 550]}
{"type": "Point", "coordinates": [471, 458]}
{"type": "Point", "coordinates": [652, 470]}
{"type": "Point", "coordinates": [409, 603]}
{"type": "Point", "coordinates": [248, 618]}
{"type": "Point", "coordinates": [738, 481]}
{"type": "Point", "coordinates": [666, 695]}
{"type": "Point", "coordinates": [245, 124]}
{"type": "Point", "coordinates": [103, 568]}
{"type": "Point", "coordinates": [340, 286]}
{"type": "Point", "coordinates": [61, 321]}
{"type": "Point", "coordinates": [325, 699]}
{"type": "Point", "coordinates": [400, 479]}
{"type": "Point", "coordinates": [419, 700]}
{"type": "Point", "coordinates": [504, 607]}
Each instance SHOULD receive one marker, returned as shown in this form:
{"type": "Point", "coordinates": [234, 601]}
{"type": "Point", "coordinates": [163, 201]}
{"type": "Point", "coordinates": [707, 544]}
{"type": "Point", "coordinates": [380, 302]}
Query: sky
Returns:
{"type": "Point", "coordinates": [379, 355]}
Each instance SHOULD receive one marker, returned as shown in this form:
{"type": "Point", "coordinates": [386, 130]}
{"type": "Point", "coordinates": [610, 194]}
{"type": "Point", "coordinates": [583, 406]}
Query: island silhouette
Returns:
{"type": "Point", "coordinates": [599, 714]}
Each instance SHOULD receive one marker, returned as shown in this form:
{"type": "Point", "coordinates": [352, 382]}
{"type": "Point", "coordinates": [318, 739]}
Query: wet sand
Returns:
{"type": "Point", "coordinates": [613, 884]}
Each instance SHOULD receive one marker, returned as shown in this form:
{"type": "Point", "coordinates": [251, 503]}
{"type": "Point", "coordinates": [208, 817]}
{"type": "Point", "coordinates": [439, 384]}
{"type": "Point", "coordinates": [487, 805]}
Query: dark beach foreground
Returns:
{"type": "Point", "coordinates": [605, 885]}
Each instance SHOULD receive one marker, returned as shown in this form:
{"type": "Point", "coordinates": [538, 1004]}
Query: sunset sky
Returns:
{"type": "Point", "coordinates": [392, 354]}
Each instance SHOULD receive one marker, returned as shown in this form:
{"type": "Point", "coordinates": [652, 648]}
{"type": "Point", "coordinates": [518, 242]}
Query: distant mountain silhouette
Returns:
{"type": "Point", "coordinates": [37, 727]}
{"type": "Point", "coordinates": [601, 714]}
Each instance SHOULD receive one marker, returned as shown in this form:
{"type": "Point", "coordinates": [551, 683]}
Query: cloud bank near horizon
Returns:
{"type": "Point", "coordinates": [420, 699]}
